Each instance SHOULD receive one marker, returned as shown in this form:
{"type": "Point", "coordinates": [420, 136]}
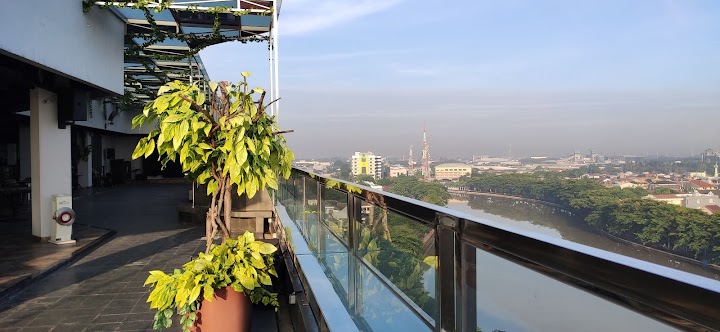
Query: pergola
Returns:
{"type": "Point", "coordinates": [163, 38]}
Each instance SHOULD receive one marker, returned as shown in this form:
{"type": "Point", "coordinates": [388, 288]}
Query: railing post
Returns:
{"type": "Point", "coordinates": [321, 222]}
{"type": "Point", "coordinates": [446, 283]}
{"type": "Point", "coordinates": [354, 277]}
{"type": "Point", "coordinates": [468, 284]}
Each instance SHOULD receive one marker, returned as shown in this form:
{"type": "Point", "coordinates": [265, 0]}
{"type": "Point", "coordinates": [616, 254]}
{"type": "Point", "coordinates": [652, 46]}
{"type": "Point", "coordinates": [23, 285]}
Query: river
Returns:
{"type": "Point", "coordinates": [513, 298]}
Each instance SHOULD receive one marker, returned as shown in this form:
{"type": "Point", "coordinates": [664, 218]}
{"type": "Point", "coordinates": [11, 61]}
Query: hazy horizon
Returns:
{"type": "Point", "coordinates": [615, 77]}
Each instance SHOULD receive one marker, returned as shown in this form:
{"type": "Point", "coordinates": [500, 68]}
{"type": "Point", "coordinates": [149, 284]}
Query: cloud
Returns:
{"type": "Point", "coordinates": [300, 17]}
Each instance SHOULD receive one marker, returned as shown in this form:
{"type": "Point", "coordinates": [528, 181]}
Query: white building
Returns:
{"type": "Point", "coordinates": [397, 170]}
{"type": "Point", "coordinates": [367, 163]}
{"type": "Point", "coordinates": [452, 171]}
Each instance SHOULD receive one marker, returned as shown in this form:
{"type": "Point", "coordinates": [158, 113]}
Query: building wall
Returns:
{"type": "Point", "coordinates": [87, 47]}
{"type": "Point", "coordinates": [699, 201]}
{"type": "Point", "coordinates": [98, 118]}
{"type": "Point", "coordinates": [451, 171]}
{"type": "Point", "coordinates": [367, 163]}
{"type": "Point", "coordinates": [396, 171]}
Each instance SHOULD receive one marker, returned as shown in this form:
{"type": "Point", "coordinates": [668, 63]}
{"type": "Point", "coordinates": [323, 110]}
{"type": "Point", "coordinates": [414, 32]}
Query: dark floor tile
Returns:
{"type": "Point", "coordinates": [115, 318]}
{"type": "Point", "coordinates": [37, 329]}
{"type": "Point", "coordinates": [131, 296]}
{"type": "Point", "coordinates": [13, 323]}
{"type": "Point", "coordinates": [145, 316]}
{"type": "Point", "coordinates": [141, 308]}
{"type": "Point", "coordinates": [79, 319]}
{"type": "Point", "coordinates": [122, 303]}
{"type": "Point", "coordinates": [117, 310]}
{"type": "Point", "coordinates": [136, 325]}
{"type": "Point", "coordinates": [27, 314]}
{"type": "Point", "coordinates": [10, 329]}
{"type": "Point", "coordinates": [103, 327]}
{"type": "Point", "coordinates": [69, 328]}
{"type": "Point", "coordinates": [59, 313]}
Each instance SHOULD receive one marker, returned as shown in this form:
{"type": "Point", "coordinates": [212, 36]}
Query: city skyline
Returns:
{"type": "Point", "coordinates": [616, 77]}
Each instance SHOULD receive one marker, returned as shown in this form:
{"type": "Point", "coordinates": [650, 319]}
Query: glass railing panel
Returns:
{"type": "Point", "coordinates": [403, 251]}
{"type": "Point", "coordinates": [334, 212]}
{"type": "Point", "coordinates": [379, 308]}
{"type": "Point", "coordinates": [513, 298]}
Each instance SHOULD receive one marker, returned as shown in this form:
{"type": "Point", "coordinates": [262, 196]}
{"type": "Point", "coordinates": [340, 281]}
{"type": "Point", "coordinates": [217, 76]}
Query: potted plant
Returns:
{"type": "Point", "coordinates": [224, 138]}
{"type": "Point", "coordinates": [213, 291]}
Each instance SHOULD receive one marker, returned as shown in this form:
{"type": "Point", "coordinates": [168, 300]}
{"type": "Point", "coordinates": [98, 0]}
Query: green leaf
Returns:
{"type": "Point", "coordinates": [245, 74]}
{"type": "Point", "coordinates": [251, 186]}
{"type": "Point", "coordinates": [212, 186]}
{"type": "Point", "coordinates": [173, 118]}
{"type": "Point", "coordinates": [213, 86]}
{"type": "Point", "coordinates": [195, 293]}
{"type": "Point", "coordinates": [155, 275]}
{"type": "Point", "coordinates": [250, 144]}
{"type": "Point", "coordinates": [265, 279]}
{"type": "Point", "coordinates": [149, 148]}
{"type": "Point", "coordinates": [247, 281]}
{"type": "Point", "coordinates": [267, 248]}
{"type": "Point", "coordinates": [161, 104]}
{"type": "Point", "coordinates": [163, 89]}
{"type": "Point", "coordinates": [139, 149]}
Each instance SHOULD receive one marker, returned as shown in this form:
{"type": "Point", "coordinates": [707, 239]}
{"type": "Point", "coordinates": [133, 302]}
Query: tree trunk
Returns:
{"type": "Point", "coordinates": [228, 208]}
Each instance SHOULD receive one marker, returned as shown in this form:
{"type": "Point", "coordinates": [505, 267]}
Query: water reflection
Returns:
{"type": "Point", "coordinates": [553, 221]}
{"type": "Point", "coordinates": [514, 299]}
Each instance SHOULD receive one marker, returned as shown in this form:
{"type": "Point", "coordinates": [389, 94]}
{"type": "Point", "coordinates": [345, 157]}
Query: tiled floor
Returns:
{"type": "Point", "coordinates": [27, 258]}
{"type": "Point", "coordinates": [103, 291]}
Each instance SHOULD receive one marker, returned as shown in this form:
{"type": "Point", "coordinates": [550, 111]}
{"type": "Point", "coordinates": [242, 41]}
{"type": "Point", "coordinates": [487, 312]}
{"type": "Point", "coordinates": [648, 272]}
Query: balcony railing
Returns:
{"type": "Point", "coordinates": [404, 265]}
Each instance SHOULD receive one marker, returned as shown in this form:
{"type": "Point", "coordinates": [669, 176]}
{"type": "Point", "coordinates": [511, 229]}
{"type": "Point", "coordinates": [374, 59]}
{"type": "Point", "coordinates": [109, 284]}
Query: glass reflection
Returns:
{"type": "Point", "coordinates": [402, 250]}
{"type": "Point", "coordinates": [513, 298]}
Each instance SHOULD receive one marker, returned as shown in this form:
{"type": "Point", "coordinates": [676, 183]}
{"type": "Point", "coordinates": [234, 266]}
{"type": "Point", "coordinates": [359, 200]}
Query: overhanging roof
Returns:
{"type": "Point", "coordinates": [150, 63]}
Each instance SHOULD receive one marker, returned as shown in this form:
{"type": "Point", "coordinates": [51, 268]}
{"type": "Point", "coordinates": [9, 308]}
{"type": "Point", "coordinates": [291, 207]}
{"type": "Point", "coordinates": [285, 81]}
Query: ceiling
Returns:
{"type": "Point", "coordinates": [187, 26]}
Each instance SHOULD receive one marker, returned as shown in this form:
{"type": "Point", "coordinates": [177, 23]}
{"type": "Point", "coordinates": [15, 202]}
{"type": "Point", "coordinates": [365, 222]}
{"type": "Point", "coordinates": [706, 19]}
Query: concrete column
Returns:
{"type": "Point", "coordinates": [89, 170]}
{"type": "Point", "coordinates": [24, 149]}
{"type": "Point", "coordinates": [50, 159]}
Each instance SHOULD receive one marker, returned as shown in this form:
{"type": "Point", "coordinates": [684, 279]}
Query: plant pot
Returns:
{"type": "Point", "coordinates": [228, 311]}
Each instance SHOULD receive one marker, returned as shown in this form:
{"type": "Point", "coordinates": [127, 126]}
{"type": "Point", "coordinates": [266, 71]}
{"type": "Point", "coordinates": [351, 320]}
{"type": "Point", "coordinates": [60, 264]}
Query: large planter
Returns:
{"type": "Point", "coordinates": [228, 311]}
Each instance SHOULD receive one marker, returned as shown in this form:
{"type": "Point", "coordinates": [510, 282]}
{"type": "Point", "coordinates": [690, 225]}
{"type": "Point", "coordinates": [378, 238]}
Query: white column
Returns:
{"type": "Point", "coordinates": [88, 171]}
{"type": "Point", "coordinates": [50, 159]}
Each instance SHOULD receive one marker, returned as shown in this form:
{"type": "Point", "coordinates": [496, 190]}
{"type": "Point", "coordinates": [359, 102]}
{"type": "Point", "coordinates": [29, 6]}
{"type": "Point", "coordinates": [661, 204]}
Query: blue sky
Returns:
{"type": "Point", "coordinates": [548, 77]}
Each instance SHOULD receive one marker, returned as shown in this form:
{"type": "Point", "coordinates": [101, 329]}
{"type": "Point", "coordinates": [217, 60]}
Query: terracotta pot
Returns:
{"type": "Point", "coordinates": [228, 311]}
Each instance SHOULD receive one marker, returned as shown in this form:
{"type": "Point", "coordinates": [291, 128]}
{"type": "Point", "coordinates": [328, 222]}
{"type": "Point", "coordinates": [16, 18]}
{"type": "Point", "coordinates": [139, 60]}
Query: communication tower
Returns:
{"type": "Point", "coordinates": [425, 157]}
{"type": "Point", "coordinates": [411, 163]}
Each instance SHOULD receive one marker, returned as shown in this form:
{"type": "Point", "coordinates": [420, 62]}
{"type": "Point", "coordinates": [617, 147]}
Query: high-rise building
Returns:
{"type": "Point", "coordinates": [367, 163]}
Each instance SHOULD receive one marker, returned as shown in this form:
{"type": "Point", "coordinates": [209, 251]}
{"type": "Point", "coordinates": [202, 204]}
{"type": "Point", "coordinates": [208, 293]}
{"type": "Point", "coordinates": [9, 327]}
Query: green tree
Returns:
{"type": "Point", "coordinates": [664, 191]}
{"type": "Point", "coordinates": [223, 139]}
{"type": "Point", "coordinates": [343, 169]}
{"type": "Point", "coordinates": [411, 186]}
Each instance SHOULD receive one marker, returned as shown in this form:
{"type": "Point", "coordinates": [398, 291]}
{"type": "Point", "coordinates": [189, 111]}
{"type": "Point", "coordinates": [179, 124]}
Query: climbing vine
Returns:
{"type": "Point", "coordinates": [138, 52]}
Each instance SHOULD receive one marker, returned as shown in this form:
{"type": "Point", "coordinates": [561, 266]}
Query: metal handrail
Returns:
{"type": "Point", "coordinates": [677, 298]}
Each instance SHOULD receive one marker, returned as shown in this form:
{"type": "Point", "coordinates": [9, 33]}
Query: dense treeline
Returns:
{"type": "Point", "coordinates": [621, 212]}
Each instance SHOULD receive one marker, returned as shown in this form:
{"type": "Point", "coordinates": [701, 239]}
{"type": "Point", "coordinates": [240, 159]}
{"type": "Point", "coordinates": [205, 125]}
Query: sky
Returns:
{"type": "Point", "coordinates": [504, 77]}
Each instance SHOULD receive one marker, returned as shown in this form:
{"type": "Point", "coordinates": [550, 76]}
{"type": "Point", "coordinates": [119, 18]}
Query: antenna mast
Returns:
{"type": "Point", "coordinates": [425, 156]}
{"type": "Point", "coordinates": [411, 163]}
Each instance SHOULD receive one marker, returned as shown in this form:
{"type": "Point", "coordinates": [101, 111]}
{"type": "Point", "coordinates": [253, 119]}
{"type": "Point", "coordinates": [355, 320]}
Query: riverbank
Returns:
{"type": "Point", "coordinates": [673, 255]}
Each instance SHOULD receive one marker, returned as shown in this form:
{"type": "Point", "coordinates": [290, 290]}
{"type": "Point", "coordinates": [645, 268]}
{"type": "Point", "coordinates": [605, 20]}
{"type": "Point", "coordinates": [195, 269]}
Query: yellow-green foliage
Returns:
{"type": "Point", "coordinates": [227, 134]}
{"type": "Point", "coordinates": [243, 264]}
